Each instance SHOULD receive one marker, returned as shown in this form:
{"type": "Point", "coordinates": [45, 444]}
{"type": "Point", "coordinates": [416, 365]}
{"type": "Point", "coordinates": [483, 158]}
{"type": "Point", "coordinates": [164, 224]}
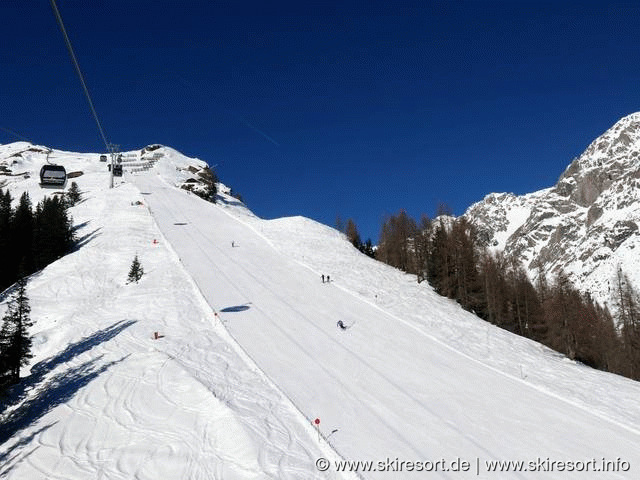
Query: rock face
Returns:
{"type": "Point", "coordinates": [586, 225]}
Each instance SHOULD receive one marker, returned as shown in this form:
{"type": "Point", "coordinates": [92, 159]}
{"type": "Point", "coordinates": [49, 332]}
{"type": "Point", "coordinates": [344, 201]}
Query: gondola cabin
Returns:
{"type": "Point", "coordinates": [53, 175]}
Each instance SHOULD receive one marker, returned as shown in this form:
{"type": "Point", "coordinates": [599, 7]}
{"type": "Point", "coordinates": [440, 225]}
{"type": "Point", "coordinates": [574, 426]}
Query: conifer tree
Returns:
{"type": "Point", "coordinates": [136, 271]}
{"type": "Point", "coordinates": [73, 195]}
{"type": "Point", "coordinates": [367, 248]}
{"type": "Point", "coordinates": [53, 232]}
{"type": "Point", "coordinates": [5, 237]}
{"type": "Point", "coordinates": [22, 237]}
{"type": "Point", "coordinates": [15, 343]}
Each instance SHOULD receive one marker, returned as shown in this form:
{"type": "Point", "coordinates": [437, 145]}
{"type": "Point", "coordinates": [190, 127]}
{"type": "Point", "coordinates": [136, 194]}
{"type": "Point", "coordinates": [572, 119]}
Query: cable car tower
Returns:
{"type": "Point", "coordinates": [115, 151]}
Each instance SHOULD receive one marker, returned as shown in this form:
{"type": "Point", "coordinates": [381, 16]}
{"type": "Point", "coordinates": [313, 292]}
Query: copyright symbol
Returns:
{"type": "Point", "coordinates": [322, 464]}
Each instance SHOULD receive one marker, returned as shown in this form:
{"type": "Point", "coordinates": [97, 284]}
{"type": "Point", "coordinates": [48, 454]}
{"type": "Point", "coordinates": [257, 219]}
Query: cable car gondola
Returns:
{"type": "Point", "coordinates": [54, 175]}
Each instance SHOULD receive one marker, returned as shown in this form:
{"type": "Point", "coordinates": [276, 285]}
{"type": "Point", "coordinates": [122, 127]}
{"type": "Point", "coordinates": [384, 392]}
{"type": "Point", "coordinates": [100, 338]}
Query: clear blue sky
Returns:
{"type": "Point", "coordinates": [314, 109]}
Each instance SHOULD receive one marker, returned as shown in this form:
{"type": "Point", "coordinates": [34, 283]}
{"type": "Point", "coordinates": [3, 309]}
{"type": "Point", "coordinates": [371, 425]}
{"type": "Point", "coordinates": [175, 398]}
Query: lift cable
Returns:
{"type": "Point", "coordinates": [75, 63]}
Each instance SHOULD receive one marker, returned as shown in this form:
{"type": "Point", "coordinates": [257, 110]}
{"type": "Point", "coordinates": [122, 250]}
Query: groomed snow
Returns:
{"type": "Point", "coordinates": [103, 399]}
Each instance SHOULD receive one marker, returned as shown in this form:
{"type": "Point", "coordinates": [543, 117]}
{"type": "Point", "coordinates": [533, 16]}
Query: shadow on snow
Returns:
{"type": "Point", "coordinates": [237, 308]}
{"type": "Point", "coordinates": [6, 458]}
{"type": "Point", "coordinates": [236, 203]}
{"type": "Point", "coordinates": [37, 395]}
{"type": "Point", "coordinates": [84, 239]}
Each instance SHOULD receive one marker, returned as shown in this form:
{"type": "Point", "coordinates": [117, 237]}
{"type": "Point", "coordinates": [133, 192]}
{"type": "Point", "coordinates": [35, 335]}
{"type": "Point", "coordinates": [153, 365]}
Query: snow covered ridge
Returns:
{"type": "Point", "coordinates": [586, 225]}
{"type": "Point", "coordinates": [22, 159]}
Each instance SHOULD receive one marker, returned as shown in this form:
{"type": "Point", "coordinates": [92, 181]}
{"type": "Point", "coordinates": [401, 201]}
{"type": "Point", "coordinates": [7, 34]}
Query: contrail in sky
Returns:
{"type": "Point", "coordinates": [188, 84]}
{"type": "Point", "coordinates": [16, 134]}
{"type": "Point", "coordinates": [257, 130]}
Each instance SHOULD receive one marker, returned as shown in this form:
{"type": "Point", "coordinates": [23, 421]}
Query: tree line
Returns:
{"type": "Point", "coordinates": [448, 253]}
{"type": "Point", "coordinates": [30, 240]}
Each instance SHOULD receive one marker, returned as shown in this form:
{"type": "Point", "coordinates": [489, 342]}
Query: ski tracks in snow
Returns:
{"type": "Point", "coordinates": [240, 279]}
{"type": "Point", "coordinates": [382, 415]}
{"type": "Point", "coordinates": [186, 406]}
{"type": "Point", "coordinates": [283, 432]}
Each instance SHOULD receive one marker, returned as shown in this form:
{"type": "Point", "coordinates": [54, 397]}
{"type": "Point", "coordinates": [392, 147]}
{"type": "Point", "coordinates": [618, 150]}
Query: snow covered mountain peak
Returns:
{"type": "Point", "coordinates": [586, 225]}
{"type": "Point", "coordinates": [20, 163]}
{"type": "Point", "coordinates": [613, 158]}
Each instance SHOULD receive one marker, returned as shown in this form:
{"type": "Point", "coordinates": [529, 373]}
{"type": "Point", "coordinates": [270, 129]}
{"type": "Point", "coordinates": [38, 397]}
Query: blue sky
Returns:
{"type": "Point", "coordinates": [319, 109]}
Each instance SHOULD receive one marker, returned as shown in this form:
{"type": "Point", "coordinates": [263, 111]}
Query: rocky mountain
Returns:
{"type": "Point", "coordinates": [586, 225]}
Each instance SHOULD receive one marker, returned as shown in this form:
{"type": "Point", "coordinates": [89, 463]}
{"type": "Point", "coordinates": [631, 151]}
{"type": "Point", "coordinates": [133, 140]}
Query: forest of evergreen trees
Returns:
{"type": "Point", "coordinates": [30, 239]}
{"type": "Point", "coordinates": [448, 254]}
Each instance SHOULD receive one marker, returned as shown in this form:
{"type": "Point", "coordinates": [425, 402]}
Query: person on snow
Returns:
{"type": "Point", "coordinates": [341, 325]}
{"type": "Point", "coordinates": [323, 278]}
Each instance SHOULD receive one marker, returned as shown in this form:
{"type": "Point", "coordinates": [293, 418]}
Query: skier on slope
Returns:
{"type": "Point", "coordinates": [341, 325]}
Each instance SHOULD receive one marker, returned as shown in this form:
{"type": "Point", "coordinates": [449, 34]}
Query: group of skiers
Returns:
{"type": "Point", "coordinates": [341, 324]}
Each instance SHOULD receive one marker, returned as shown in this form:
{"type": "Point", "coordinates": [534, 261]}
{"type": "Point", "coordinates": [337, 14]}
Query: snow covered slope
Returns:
{"type": "Point", "coordinates": [586, 225]}
{"type": "Point", "coordinates": [102, 398]}
{"type": "Point", "coordinates": [415, 378]}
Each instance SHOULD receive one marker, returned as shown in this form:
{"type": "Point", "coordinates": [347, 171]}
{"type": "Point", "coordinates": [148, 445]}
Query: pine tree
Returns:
{"type": "Point", "coordinates": [53, 232]}
{"type": "Point", "coordinates": [367, 248]}
{"type": "Point", "coordinates": [136, 271]}
{"type": "Point", "coordinates": [15, 343]}
{"type": "Point", "coordinates": [73, 195]}
{"type": "Point", "coordinates": [22, 237]}
{"type": "Point", "coordinates": [6, 276]}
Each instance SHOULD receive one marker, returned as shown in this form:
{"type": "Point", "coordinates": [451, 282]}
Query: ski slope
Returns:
{"type": "Point", "coordinates": [250, 355]}
{"type": "Point", "coordinates": [103, 399]}
{"type": "Point", "coordinates": [389, 388]}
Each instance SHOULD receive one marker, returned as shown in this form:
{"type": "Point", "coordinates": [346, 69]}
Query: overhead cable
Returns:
{"type": "Point", "coordinates": [75, 63]}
